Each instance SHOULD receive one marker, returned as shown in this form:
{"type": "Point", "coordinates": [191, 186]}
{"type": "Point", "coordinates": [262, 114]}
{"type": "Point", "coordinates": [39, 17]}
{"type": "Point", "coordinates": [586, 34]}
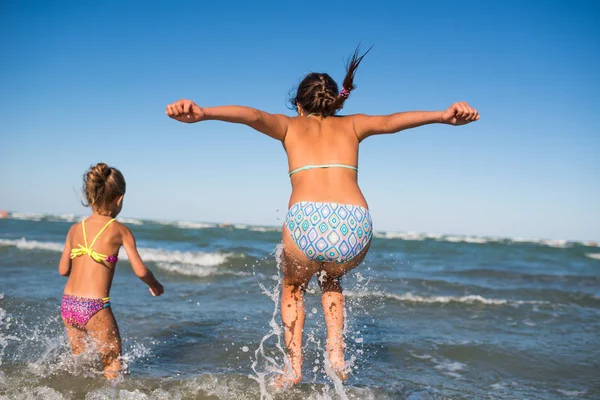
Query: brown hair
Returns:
{"type": "Point", "coordinates": [102, 185]}
{"type": "Point", "coordinates": [318, 93]}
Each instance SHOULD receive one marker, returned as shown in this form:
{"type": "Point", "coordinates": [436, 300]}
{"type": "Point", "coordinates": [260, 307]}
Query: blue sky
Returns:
{"type": "Point", "coordinates": [84, 82]}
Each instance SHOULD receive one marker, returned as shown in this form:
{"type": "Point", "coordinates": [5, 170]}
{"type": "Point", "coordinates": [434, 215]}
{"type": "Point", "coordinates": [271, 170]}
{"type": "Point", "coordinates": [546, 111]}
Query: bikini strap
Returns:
{"type": "Point", "coordinates": [99, 233]}
{"type": "Point", "coordinates": [84, 235]}
{"type": "Point", "coordinates": [306, 167]}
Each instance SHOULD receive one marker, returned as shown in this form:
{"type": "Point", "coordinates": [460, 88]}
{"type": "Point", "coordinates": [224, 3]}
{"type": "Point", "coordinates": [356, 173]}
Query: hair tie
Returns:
{"type": "Point", "coordinates": [344, 93]}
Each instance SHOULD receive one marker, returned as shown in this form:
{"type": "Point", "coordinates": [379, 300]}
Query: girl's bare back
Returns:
{"type": "Point", "coordinates": [313, 140]}
{"type": "Point", "coordinates": [88, 277]}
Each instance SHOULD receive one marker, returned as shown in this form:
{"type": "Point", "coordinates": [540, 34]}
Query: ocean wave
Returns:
{"type": "Point", "coordinates": [64, 218]}
{"type": "Point", "coordinates": [200, 271]}
{"type": "Point", "coordinates": [416, 236]}
{"type": "Point", "coordinates": [572, 393]}
{"type": "Point", "coordinates": [595, 256]}
{"type": "Point", "coordinates": [130, 221]}
{"type": "Point", "coordinates": [28, 216]}
{"type": "Point", "coordinates": [449, 368]}
{"type": "Point", "coordinates": [37, 217]}
{"type": "Point", "coordinates": [412, 298]}
{"type": "Point", "coordinates": [208, 225]}
{"type": "Point", "coordinates": [397, 235]}
{"type": "Point", "coordinates": [197, 258]}
{"type": "Point", "coordinates": [191, 225]}
{"type": "Point", "coordinates": [263, 228]}
{"type": "Point", "coordinates": [391, 235]}
{"type": "Point", "coordinates": [205, 386]}
{"type": "Point", "coordinates": [25, 244]}
{"type": "Point", "coordinates": [183, 257]}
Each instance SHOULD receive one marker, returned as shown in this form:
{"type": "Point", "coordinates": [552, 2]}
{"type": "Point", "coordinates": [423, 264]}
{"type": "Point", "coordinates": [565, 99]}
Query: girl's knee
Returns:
{"type": "Point", "coordinates": [110, 354]}
{"type": "Point", "coordinates": [329, 282]}
{"type": "Point", "coordinates": [110, 347]}
{"type": "Point", "coordinates": [296, 290]}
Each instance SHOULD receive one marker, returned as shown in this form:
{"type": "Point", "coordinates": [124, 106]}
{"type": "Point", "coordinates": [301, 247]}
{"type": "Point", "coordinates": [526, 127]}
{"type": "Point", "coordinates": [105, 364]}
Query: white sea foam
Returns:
{"type": "Point", "coordinates": [595, 256]}
{"type": "Point", "coordinates": [420, 356]}
{"type": "Point", "coordinates": [183, 257]}
{"type": "Point", "coordinates": [184, 262]}
{"type": "Point", "coordinates": [130, 221]}
{"type": "Point", "coordinates": [450, 366]}
{"type": "Point", "coordinates": [409, 236]}
{"type": "Point", "coordinates": [474, 239]}
{"type": "Point", "coordinates": [34, 216]}
{"type": "Point", "coordinates": [400, 235]}
{"type": "Point", "coordinates": [29, 216]}
{"type": "Point", "coordinates": [200, 271]}
{"type": "Point", "coordinates": [192, 225]}
{"type": "Point", "coordinates": [572, 393]}
{"type": "Point", "coordinates": [560, 243]}
{"type": "Point", "coordinates": [66, 218]}
{"type": "Point", "coordinates": [25, 244]}
{"type": "Point", "coordinates": [416, 236]}
{"type": "Point", "coordinates": [412, 298]}
{"type": "Point", "coordinates": [467, 239]}
{"type": "Point", "coordinates": [262, 228]}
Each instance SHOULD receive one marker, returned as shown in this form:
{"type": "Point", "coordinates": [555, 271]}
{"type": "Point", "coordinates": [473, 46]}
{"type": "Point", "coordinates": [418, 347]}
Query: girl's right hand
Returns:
{"type": "Point", "coordinates": [459, 113]}
{"type": "Point", "coordinates": [157, 289]}
{"type": "Point", "coordinates": [185, 111]}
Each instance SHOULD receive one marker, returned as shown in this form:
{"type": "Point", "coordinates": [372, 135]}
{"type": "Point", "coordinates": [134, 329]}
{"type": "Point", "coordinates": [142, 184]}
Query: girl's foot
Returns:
{"type": "Point", "coordinates": [336, 359]}
{"type": "Point", "coordinates": [111, 375]}
{"type": "Point", "coordinates": [289, 377]}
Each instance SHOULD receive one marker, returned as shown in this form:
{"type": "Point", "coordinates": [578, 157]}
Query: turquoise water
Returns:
{"type": "Point", "coordinates": [429, 317]}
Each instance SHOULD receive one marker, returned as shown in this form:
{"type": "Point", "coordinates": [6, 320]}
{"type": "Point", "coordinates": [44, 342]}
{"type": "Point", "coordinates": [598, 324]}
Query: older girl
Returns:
{"type": "Point", "coordinates": [328, 227]}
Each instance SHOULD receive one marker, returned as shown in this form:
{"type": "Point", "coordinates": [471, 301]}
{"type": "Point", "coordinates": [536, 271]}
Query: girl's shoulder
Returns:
{"type": "Point", "coordinates": [73, 228]}
{"type": "Point", "coordinates": [118, 232]}
{"type": "Point", "coordinates": [121, 228]}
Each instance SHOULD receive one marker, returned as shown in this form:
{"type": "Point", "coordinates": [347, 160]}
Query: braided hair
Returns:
{"type": "Point", "coordinates": [318, 93]}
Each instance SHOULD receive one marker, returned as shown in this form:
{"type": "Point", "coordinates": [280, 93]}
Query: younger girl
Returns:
{"type": "Point", "coordinates": [89, 260]}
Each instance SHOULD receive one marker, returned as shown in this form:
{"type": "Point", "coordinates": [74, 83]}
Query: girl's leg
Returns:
{"type": "Point", "coordinates": [333, 309]}
{"type": "Point", "coordinates": [297, 272]}
{"type": "Point", "coordinates": [76, 338]}
{"type": "Point", "coordinates": [103, 328]}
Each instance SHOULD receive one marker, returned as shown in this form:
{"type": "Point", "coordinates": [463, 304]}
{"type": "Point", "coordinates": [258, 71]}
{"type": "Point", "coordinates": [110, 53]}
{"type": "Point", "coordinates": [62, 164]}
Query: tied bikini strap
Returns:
{"type": "Point", "coordinates": [81, 250]}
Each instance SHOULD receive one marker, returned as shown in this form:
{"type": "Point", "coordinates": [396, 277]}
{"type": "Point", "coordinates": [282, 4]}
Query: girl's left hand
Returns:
{"type": "Point", "coordinates": [185, 111]}
{"type": "Point", "coordinates": [156, 290]}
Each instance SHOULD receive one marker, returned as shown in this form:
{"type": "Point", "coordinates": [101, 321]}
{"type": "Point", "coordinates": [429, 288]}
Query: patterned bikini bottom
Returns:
{"type": "Point", "coordinates": [329, 232]}
{"type": "Point", "coordinates": [77, 311]}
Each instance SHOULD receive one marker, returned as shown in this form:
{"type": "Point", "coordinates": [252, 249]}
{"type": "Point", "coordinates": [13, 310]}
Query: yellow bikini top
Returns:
{"type": "Point", "coordinates": [81, 250]}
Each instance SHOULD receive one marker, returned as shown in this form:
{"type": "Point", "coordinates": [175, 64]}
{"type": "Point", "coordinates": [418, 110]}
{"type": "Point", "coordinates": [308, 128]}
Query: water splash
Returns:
{"type": "Point", "coordinates": [264, 364]}
{"type": "Point", "coordinates": [36, 351]}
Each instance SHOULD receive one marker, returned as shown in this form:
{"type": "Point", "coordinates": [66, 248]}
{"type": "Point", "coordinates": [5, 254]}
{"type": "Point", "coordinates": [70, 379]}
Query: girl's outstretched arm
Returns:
{"type": "Point", "coordinates": [274, 125]}
{"type": "Point", "coordinates": [140, 270]}
{"type": "Point", "coordinates": [457, 114]}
